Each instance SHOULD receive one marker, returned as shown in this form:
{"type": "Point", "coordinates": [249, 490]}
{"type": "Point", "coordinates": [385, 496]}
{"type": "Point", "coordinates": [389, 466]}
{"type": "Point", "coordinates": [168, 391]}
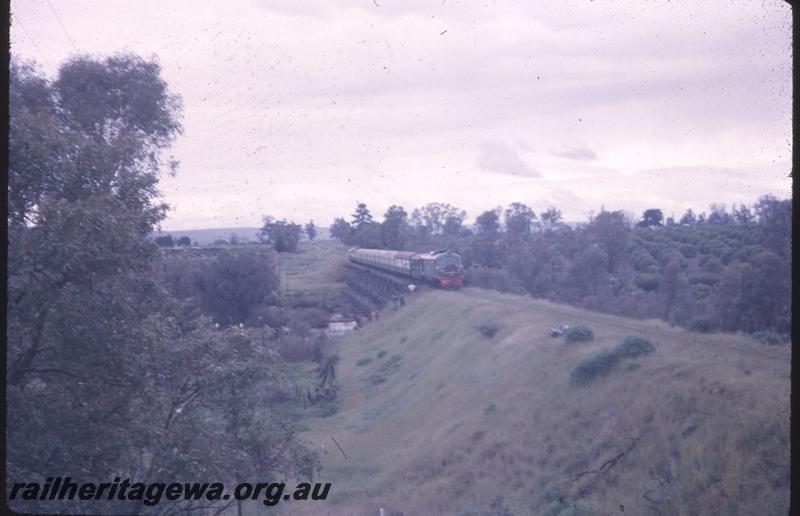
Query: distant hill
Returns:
{"type": "Point", "coordinates": [209, 235]}
{"type": "Point", "coordinates": [435, 418]}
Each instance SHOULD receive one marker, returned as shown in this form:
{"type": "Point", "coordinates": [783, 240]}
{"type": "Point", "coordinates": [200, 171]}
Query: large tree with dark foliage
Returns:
{"type": "Point", "coordinates": [235, 285]}
{"type": "Point", "coordinates": [395, 228]}
{"type": "Point", "coordinates": [282, 234]}
{"type": "Point", "coordinates": [610, 231]}
{"type": "Point", "coordinates": [520, 220]}
{"type": "Point", "coordinates": [106, 375]}
{"type": "Point", "coordinates": [651, 217]}
{"type": "Point", "coordinates": [361, 216]}
{"type": "Point", "coordinates": [487, 243]}
{"type": "Point", "coordinates": [84, 163]}
{"type": "Point", "coordinates": [310, 230]}
{"type": "Point", "coordinates": [342, 231]}
{"type": "Point", "coordinates": [775, 218]}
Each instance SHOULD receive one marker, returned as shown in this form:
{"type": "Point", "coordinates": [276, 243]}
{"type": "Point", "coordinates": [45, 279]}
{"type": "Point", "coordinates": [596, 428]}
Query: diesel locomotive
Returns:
{"type": "Point", "coordinates": [440, 268]}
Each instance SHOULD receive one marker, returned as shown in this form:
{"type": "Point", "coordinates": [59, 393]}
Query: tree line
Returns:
{"type": "Point", "coordinates": [725, 269]}
{"type": "Point", "coordinates": [282, 234]}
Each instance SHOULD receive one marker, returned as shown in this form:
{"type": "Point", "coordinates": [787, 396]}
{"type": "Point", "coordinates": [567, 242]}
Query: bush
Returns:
{"type": "Point", "coordinates": [768, 337]}
{"type": "Point", "coordinates": [488, 329]}
{"type": "Point", "coordinates": [595, 366]}
{"type": "Point", "coordinates": [633, 346]}
{"type": "Point", "coordinates": [578, 333]}
{"type": "Point", "coordinates": [703, 325]}
{"type": "Point", "coordinates": [603, 362]}
{"type": "Point", "coordinates": [647, 282]}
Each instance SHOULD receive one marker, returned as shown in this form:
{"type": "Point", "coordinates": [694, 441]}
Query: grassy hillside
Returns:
{"type": "Point", "coordinates": [436, 418]}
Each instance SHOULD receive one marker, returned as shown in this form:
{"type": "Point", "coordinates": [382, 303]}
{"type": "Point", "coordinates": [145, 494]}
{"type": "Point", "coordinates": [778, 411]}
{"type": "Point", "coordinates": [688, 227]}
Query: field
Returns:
{"type": "Point", "coordinates": [312, 273]}
{"type": "Point", "coordinates": [436, 418]}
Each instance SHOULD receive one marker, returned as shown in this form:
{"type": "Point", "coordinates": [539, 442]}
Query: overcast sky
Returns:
{"type": "Point", "coordinates": [299, 109]}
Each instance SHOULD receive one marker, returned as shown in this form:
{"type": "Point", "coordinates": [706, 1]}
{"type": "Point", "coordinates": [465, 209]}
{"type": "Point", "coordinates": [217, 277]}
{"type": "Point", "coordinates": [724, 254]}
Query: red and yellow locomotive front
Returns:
{"type": "Point", "coordinates": [449, 270]}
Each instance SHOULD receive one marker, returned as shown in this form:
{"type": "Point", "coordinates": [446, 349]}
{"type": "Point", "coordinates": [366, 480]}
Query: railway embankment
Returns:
{"type": "Point", "coordinates": [463, 403]}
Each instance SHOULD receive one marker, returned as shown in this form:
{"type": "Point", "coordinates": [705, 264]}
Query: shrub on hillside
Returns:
{"type": "Point", "coordinates": [488, 329]}
{"type": "Point", "coordinates": [701, 325]}
{"type": "Point", "coordinates": [595, 366]}
{"type": "Point", "coordinates": [603, 362]}
{"type": "Point", "coordinates": [768, 337]}
{"type": "Point", "coordinates": [578, 333]}
{"type": "Point", "coordinates": [633, 346]}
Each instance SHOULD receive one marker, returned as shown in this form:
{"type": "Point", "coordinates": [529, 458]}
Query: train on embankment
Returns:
{"type": "Point", "coordinates": [440, 268]}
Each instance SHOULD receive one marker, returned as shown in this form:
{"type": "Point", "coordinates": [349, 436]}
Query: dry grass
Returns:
{"type": "Point", "coordinates": [700, 427]}
{"type": "Point", "coordinates": [314, 268]}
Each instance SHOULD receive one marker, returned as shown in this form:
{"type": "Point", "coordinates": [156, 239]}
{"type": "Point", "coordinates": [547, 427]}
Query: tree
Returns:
{"type": "Point", "coordinates": [486, 245]}
{"type": "Point", "coordinates": [236, 285]}
{"type": "Point", "coordinates": [234, 239]}
{"type": "Point", "coordinates": [165, 241]}
{"type": "Point", "coordinates": [610, 231]}
{"type": "Point", "coordinates": [651, 217]}
{"type": "Point", "coordinates": [672, 285]}
{"type": "Point", "coordinates": [775, 219]}
{"type": "Point", "coordinates": [82, 206]}
{"type": "Point", "coordinates": [755, 296]}
{"type": "Point", "coordinates": [311, 230]}
{"type": "Point", "coordinates": [434, 216]}
{"type": "Point", "coordinates": [361, 215]}
{"type": "Point", "coordinates": [107, 376]}
{"type": "Point", "coordinates": [520, 220]}
{"type": "Point", "coordinates": [588, 270]}
{"type": "Point", "coordinates": [282, 234]}
{"type": "Point", "coordinates": [743, 215]}
{"type": "Point", "coordinates": [719, 215]}
{"type": "Point", "coordinates": [488, 222]}
{"type": "Point", "coordinates": [453, 226]}
{"type": "Point", "coordinates": [688, 218]}
{"type": "Point", "coordinates": [184, 241]}
{"type": "Point", "coordinates": [395, 229]}
{"type": "Point", "coordinates": [369, 235]}
{"type": "Point", "coordinates": [342, 231]}
{"type": "Point", "coordinates": [551, 219]}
